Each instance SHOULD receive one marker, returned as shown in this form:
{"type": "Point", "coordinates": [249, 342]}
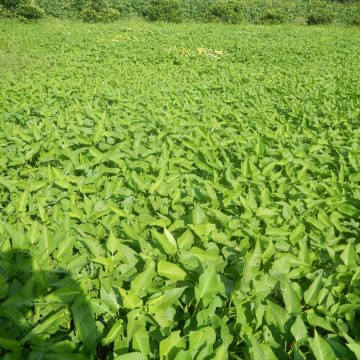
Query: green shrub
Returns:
{"type": "Point", "coordinates": [76, 4]}
{"type": "Point", "coordinates": [99, 11]}
{"type": "Point", "coordinates": [110, 14]}
{"type": "Point", "coordinates": [9, 3]}
{"type": "Point", "coordinates": [320, 17]}
{"type": "Point", "coordinates": [272, 16]}
{"type": "Point", "coordinates": [164, 10]}
{"type": "Point", "coordinates": [196, 10]}
{"type": "Point", "coordinates": [59, 8]}
{"type": "Point", "coordinates": [355, 20]}
{"type": "Point", "coordinates": [139, 7]}
{"type": "Point", "coordinates": [5, 12]}
{"type": "Point", "coordinates": [97, 5]}
{"type": "Point", "coordinates": [89, 14]}
{"type": "Point", "coordinates": [29, 10]}
{"type": "Point", "coordinates": [225, 10]}
{"type": "Point", "coordinates": [124, 7]}
{"type": "Point", "coordinates": [22, 9]}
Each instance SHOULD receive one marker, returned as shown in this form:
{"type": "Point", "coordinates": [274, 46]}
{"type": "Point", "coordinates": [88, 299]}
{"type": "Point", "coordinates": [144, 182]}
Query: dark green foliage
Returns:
{"type": "Point", "coordinates": [88, 14]}
{"type": "Point", "coordinates": [62, 8]}
{"type": "Point", "coordinates": [124, 7]}
{"type": "Point", "coordinates": [6, 12]}
{"type": "Point", "coordinates": [320, 17]}
{"type": "Point", "coordinates": [355, 20]}
{"type": "Point", "coordinates": [272, 16]}
{"type": "Point", "coordinates": [9, 3]}
{"type": "Point", "coordinates": [29, 10]}
{"type": "Point", "coordinates": [228, 11]}
{"type": "Point", "coordinates": [99, 11]}
{"type": "Point", "coordinates": [22, 9]}
{"type": "Point", "coordinates": [196, 10]}
{"type": "Point", "coordinates": [225, 10]}
{"type": "Point", "coordinates": [164, 10]}
{"type": "Point", "coordinates": [97, 5]}
{"type": "Point", "coordinates": [139, 6]}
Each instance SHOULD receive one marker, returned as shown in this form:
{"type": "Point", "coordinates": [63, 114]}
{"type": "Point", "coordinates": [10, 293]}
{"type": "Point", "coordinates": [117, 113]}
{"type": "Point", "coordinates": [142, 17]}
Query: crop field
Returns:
{"type": "Point", "coordinates": [179, 192]}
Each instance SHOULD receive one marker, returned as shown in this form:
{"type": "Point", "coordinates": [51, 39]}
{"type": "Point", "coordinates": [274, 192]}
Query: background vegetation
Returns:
{"type": "Point", "coordinates": [231, 11]}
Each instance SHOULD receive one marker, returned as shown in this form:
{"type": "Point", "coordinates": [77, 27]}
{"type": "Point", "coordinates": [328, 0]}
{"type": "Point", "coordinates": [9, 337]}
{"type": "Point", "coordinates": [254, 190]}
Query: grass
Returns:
{"type": "Point", "coordinates": [179, 191]}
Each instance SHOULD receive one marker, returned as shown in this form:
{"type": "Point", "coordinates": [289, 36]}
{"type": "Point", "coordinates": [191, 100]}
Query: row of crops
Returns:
{"type": "Point", "coordinates": [179, 192]}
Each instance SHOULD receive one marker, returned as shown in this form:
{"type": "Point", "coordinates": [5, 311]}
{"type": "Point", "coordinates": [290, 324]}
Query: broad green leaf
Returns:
{"type": "Point", "coordinates": [143, 280]}
{"type": "Point", "coordinates": [291, 299]}
{"type": "Point", "coordinates": [186, 240]}
{"type": "Point", "coordinates": [204, 337]}
{"type": "Point", "coordinates": [355, 348]}
{"type": "Point", "coordinates": [348, 256]}
{"type": "Point", "coordinates": [64, 294]}
{"type": "Point", "coordinates": [85, 325]}
{"type": "Point", "coordinates": [131, 356]}
{"type": "Point", "coordinates": [100, 128]}
{"type": "Point", "coordinates": [312, 293]}
{"type": "Point", "coordinates": [347, 209]}
{"type": "Point", "coordinates": [170, 238]}
{"type": "Point", "coordinates": [130, 299]}
{"type": "Point", "coordinates": [251, 266]}
{"type": "Point", "coordinates": [298, 330]}
{"type": "Point", "coordinates": [112, 245]}
{"type": "Point", "coordinates": [166, 299]}
{"type": "Point", "coordinates": [171, 271]}
{"type": "Point", "coordinates": [141, 341]}
{"type": "Point", "coordinates": [49, 325]}
{"type": "Point", "coordinates": [298, 355]}
{"type": "Point", "coordinates": [168, 246]}
{"type": "Point", "coordinates": [33, 233]}
{"type": "Point", "coordinates": [198, 216]}
{"type": "Point", "coordinates": [173, 342]}
{"type": "Point", "coordinates": [276, 315]}
{"type": "Point", "coordinates": [114, 333]}
{"type": "Point", "coordinates": [258, 352]}
{"type": "Point", "coordinates": [208, 285]}
{"type": "Point", "coordinates": [10, 344]}
{"type": "Point", "coordinates": [4, 287]}
{"type": "Point", "coordinates": [245, 168]}
{"type": "Point", "coordinates": [297, 233]}
{"type": "Point", "coordinates": [321, 348]}
{"type": "Point", "coordinates": [221, 353]}
{"type": "Point", "coordinates": [23, 201]}
{"type": "Point", "coordinates": [265, 212]}
{"type": "Point", "coordinates": [319, 321]}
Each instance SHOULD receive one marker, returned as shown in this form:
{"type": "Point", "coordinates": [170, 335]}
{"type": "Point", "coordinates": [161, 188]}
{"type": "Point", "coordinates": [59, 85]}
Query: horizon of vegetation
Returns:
{"type": "Point", "coordinates": [229, 11]}
{"type": "Point", "coordinates": [179, 191]}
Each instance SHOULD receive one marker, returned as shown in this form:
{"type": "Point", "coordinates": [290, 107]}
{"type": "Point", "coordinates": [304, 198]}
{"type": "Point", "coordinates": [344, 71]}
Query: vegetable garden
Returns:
{"type": "Point", "coordinates": [184, 191]}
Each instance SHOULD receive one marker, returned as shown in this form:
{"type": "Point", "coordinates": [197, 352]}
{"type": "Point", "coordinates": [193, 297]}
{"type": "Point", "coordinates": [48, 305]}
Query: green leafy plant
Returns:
{"type": "Point", "coordinates": [355, 20]}
{"type": "Point", "coordinates": [6, 12]}
{"type": "Point", "coordinates": [320, 17]}
{"type": "Point", "coordinates": [164, 10]}
{"type": "Point", "coordinates": [229, 11]}
{"type": "Point", "coordinates": [23, 9]}
{"type": "Point", "coordinates": [9, 3]}
{"type": "Point", "coordinates": [99, 11]}
{"type": "Point", "coordinates": [272, 16]}
{"type": "Point", "coordinates": [66, 9]}
{"type": "Point", "coordinates": [29, 10]}
{"type": "Point", "coordinates": [124, 7]}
